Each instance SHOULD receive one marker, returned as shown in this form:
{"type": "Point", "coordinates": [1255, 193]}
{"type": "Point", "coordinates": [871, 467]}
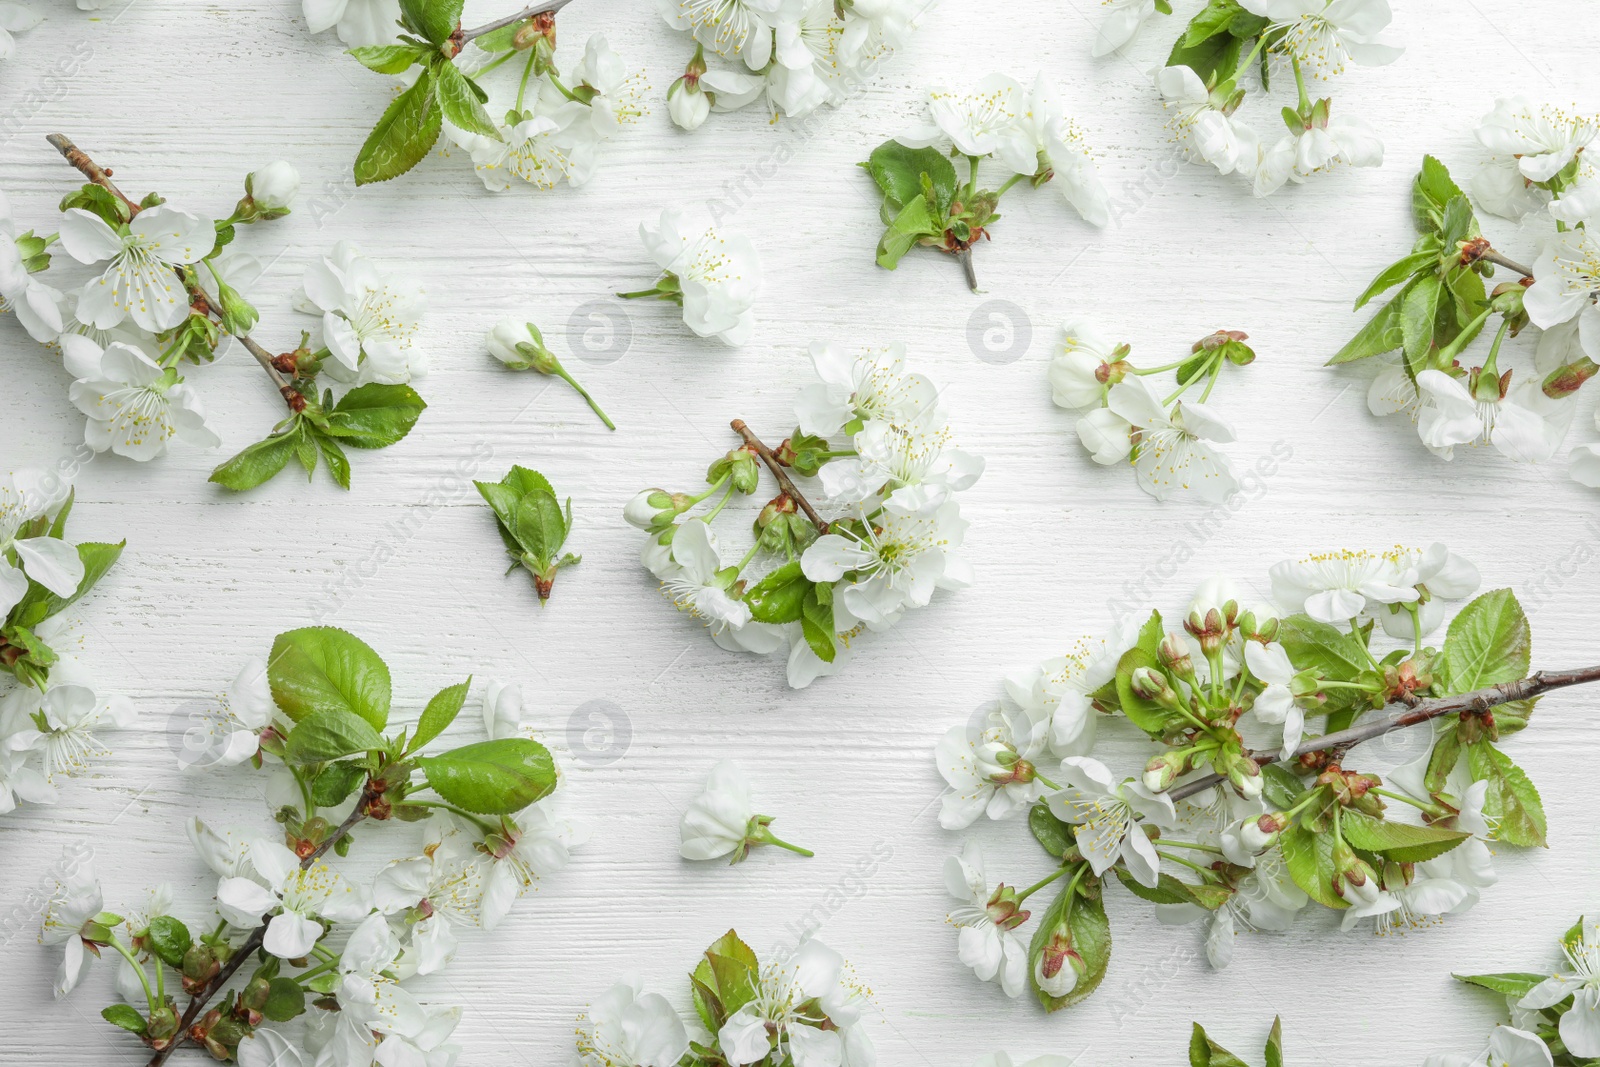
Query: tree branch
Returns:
{"type": "Point", "coordinates": [548, 8]}
{"type": "Point", "coordinates": [1510, 264]}
{"type": "Point", "coordinates": [1400, 715]}
{"type": "Point", "coordinates": [198, 1002]}
{"type": "Point", "coordinates": [779, 473]}
{"type": "Point", "coordinates": [102, 177]}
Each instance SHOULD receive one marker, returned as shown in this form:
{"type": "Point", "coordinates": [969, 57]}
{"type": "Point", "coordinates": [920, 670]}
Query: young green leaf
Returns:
{"type": "Point", "coordinates": [434, 19]}
{"type": "Point", "coordinates": [1381, 334]}
{"type": "Point", "coordinates": [912, 223]}
{"type": "Point", "coordinates": [286, 999]}
{"type": "Point", "coordinates": [1309, 857]}
{"type": "Point", "coordinates": [375, 415]}
{"type": "Point", "coordinates": [334, 456]}
{"type": "Point", "coordinates": [1204, 1052]}
{"type": "Point", "coordinates": [724, 980]}
{"type": "Point", "coordinates": [257, 464]}
{"type": "Point", "coordinates": [1516, 984]}
{"type": "Point", "coordinates": [1512, 804]}
{"type": "Point", "coordinates": [1395, 273]}
{"type": "Point", "coordinates": [440, 713]}
{"type": "Point", "coordinates": [462, 101]}
{"type": "Point", "coordinates": [780, 596]}
{"type": "Point", "coordinates": [1488, 642]}
{"type": "Point", "coordinates": [336, 781]}
{"type": "Point", "coordinates": [492, 777]}
{"type": "Point", "coordinates": [329, 735]}
{"type": "Point", "coordinates": [389, 58]}
{"type": "Point", "coordinates": [1274, 1049]}
{"type": "Point", "coordinates": [125, 1016]}
{"type": "Point", "coordinates": [816, 622]}
{"type": "Point", "coordinates": [169, 939]}
{"type": "Point", "coordinates": [1090, 933]}
{"type": "Point", "coordinates": [898, 170]}
{"type": "Point", "coordinates": [323, 668]}
{"type": "Point", "coordinates": [1417, 314]}
{"type": "Point", "coordinates": [405, 134]}
{"type": "Point", "coordinates": [1401, 842]}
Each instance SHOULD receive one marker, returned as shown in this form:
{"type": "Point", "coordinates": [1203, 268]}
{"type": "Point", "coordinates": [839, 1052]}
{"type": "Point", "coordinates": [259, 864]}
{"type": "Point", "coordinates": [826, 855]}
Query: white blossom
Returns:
{"type": "Point", "coordinates": [370, 321]}
{"type": "Point", "coordinates": [628, 1028]}
{"type": "Point", "coordinates": [719, 275]}
{"type": "Point", "coordinates": [987, 921]}
{"type": "Point", "coordinates": [1104, 810]}
{"type": "Point", "coordinates": [135, 406]}
{"type": "Point", "coordinates": [359, 22]}
{"type": "Point", "coordinates": [140, 281]}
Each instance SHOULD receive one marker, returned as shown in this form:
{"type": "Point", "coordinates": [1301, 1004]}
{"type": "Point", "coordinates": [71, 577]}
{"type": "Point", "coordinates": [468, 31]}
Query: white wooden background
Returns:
{"type": "Point", "coordinates": [187, 97]}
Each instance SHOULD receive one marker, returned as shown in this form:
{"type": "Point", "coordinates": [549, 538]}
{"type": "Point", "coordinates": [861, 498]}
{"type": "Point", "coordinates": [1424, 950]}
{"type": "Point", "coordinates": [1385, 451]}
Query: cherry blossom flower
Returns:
{"type": "Point", "coordinates": [1080, 371]}
{"type": "Point", "coordinates": [1104, 810]}
{"type": "Point", "coordinates": [802, 1007]}
{"type": "Point", "coordinates": [50, 561]}
{"type": "Point", "coordinates": [69, 718]}
{"type": "Point", "coordinates": [1107, 436]}
{"type": "Point", "coordinates": [74, 905]}
{"type": "Point", "coordinates": [135, 406]}
{"type": "Point", "coordinates": [140, 282]}
{"type": "Point", "coordinates": [1325, 143]}
{"type": "Point", "coordinates": [717, 276]}
{"type": "Point", "coordinates": [437, 891]}
{"type": "Point", "coordinates": [299, 898]}
{"type": "Point", "coordinates": [1275, 704]}
{"type": "Point", "coordinates": [1174, 450]}
{"type": "Point", "coordinates": [804, 74]}
{"type": "Point", "coordinates": [532, 845]}
{"type": "Point", "coordinates": [1523, 424]}
{"type": "Point", "coordinates": [1044, 138]}
{"type": "Point", "coordinates": [628, 1027]}
{"type": "Point", "coordinates": [1326, 35]}
{"type": "Point", "coordinates": [1542, 139]}
{"type": "Point", "coordinates": [359, 22]}
{"type": "Point", "coordinates": [1205, 133]}
{"type": "Point", "coordinates": [229, 733]}
{"type": "Point", "coordinates": [1336, 587]}
{"type": "Point", "coordinates": [976, 123]}
{"type": "Point", "coordinates": [1120, 24]}
{"type": "Point", "coordinates": [1508, 1047]}
{"type": "Point", "coordinates": [991, 765]}
{"type": "Point", "coordinates": [1580, 1024]}
{"type": "Point", "coordinates": [873, 28]}
{"type": "Point", "coordinates": [874, 385]}
{"type": "Point", "coordinates": [988, 941]}
{"type": "Point", "coordinates": [1566, 286]}
{"type": "Point", "coordinates": [898, 562]}
{"type": "Point", "coordinates": [36, 305]}
{"type": "Point", "coordinates": [370, 321]}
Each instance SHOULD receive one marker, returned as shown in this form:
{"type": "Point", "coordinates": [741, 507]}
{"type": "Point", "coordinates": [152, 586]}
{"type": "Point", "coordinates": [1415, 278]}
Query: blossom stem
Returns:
{"type": "Point", "coordinates": [1174, 365]}
{"type": "Point", "coordinates": [1491, 365]}
{"type": "Point", "coordinates": [784, 481]}
{"type": "Point", "coordinates": [1510, 264]}
{"type": "Point", "coordinates": [133, 961]}
{"type": "Point", "coordinates": [565, 376]}
{"type": "Point", "coordinates": [321, 968]}
{"type": "Point", "coordinates": [714, 512]}
{"type": "Point", "coordinates": [527, 72]}
{"type": "Point", "coordinates": [1300, 84]}
{"type": "Point", "coordinates": [1048, 784]}
{"type": "Point", "coordinates": [1329, 683]}
{"type": "Point", "coordinates": [1035, 887]}
{"type": "Point", "coordinates": [246, 951]}
{"type": "Point", "coordinates": [972, 177]}
{"type": "Point", "coordinates": [965, 256]}
{"type": "Point", "coordinates": [1402, 715]}
{"type": "Point", "coordinates": [1168, 842]}
{"type": "Point", "coordinates": [767, 837]}
{"type": "Point", "coordinates": [715, 486]}
{"type": "Point", "coordinates": [1431, 809]}
{"type": "Point", "coordinates": [1416, 630]}
{"type": "Point", "coordinates": [493, 63]}
{"type": "Point", "coordinates": [488, 828]}
{"type": "Point", "coordinates": [549, 7]}
{"type": "Point", "coordinates": [1187, 863]}
{"type": "Point", "coordinates": [1007, 184]}
{"type": "Point", "coordinates": [640, 294]}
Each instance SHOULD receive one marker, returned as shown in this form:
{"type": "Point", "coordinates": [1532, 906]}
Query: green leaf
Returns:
{"type": "Point", "coordinates": [1457, 223]}
{"type": "Point", "coordinates": [169, 939]}
{"type": "Point", "coordinates": [1274, 1049]}
{"type": "Point", "coordinates": [1511, 805]}
{"type": "Point", "coordinates": [125, 1016]}
{"type": "Point", "coordinates": [1310, 860]}
{"type": "Point", "coordinates": [285, 1000]}
{"type": "Point", "coordinates": [323, 668]}
{"type": "Point", "coordinates": [898, 170]}
{"type": "Point", "coordinates": [334, 784]}
{"type": "Point", "coordinates": [502, 500]}
{"type": "Point", "coordinates": [912, 223]}
{"type": "Point", "coordinates": [1204, 1052]}
{"type": "Point", "coordinates": [1417, 313]}
{"type": "Point", "coordinates": [1280, 786]}
{"type": "Point", "coordinates": [524, 481]}
{"type": "Point", "coordinates": [503, 39]}
{"type": "Point", "coordinates": [440, 713]}
{"type": "Point", "coordinates": [816, 622]}
{"type": "Point", "coordinates": [389, 58]}
{"type": "Point", "coordinates": [459, 100]}
{"type": "Point", "coordinates": [1401, 842]}
{"type": "Point", "coordinates": [1215, 57]}
{"type": "Point", "coordinates": [1090, 933]}
{"type": "Point", "coordinates": [1488, 643]}
{"type": "Point", "coordinates": [724, 980]}
{"type": "Point", "coordinates": [375, 415]}
{"type": "Point", "coordinates": [39, 603]}
{"type": "Point", "coordinates": [779, 597]}
{"type": "Point", "coordinates": [539, 525]}
{"type": "Point", "coordinates": [403, 136]}
{"type": "Point", "coordinates": [330, 735]}
{"type": "Point", "coordinates": [1331, 652]}
{"type": "Point", "coordinates": [1397, 272]}
{"type": "Point", "coordinates": [258, 463]}
{"type": "Point", "coordinates": [1381, 334]}
{"type": "Point", "coordinates": [1513, 984]}
{"type": "Point", "coordinates": [305, 448]}
{"type": "Point", "coordinates": [1051, 833]}
{"type": "Point", "coordinates": [334, 456]}
{"type": "Point", "coordinates": [492, 777]}
{"type": "Point", "coordinates": [434, 19]}
{"type": "Point", "coordinates": [1443, 759]}
{"type": "Point", "coordinates": [1431, 190]}
{"type": "Point", "coordinates": [1170, 890]}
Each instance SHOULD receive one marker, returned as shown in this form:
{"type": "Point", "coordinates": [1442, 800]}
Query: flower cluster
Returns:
{"type": "Point", "coordinates": [1554, 1020]}
{"type": "Point", "coordinates": [891, 478]}
{"type": "Point", "coordinates": [1028, 131]}
{"type": "Point", "coordinates": [713, 276]}
{"type": "Point", "coordinates": [796, 54]}
{"type": "Point", "coordinates": [1537, 175]}
{"type": "Point", "coordinates": [51, 716]}
{"type": "Point", "coordinates": [796, 1009]}
{"type": "Point", "coordinates": [1200, 83]}
{"type": "Point", "coordinates": [167, 288]}
{"type": "Point", "coordinates": [532, 122]}
{"type": "Point", "coordinates": [1244, 838]}
{"type": "Point", "coordinates": [337, 951]}
{"type": "Point", "coordinates": [1170, 442]}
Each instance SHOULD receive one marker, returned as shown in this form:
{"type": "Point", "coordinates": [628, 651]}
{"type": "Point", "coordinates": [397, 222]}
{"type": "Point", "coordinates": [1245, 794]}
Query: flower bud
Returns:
{"type": "Point", "coordinates": [1059, 966]}
{"type": "Point", "coordinates": [273, 188]}
{"type": "Point", "coordinates": [1569, 378]}
{"type": "Point", "coordinates": [1353, 878]}
{"type": "Point", "coordinates": [1259, 833]}
{"type": "Point", "coordinates": [741, 466]}
{"type": "Point", "coordinates": [1244, 774]}
{"type": "Point", "coordinates": [1174, 655]}
{"type": "Point", "coordinates": [1004, 910]}
{"type": "Point", "coordinates": [651, 509]}
{"type": "Point", "coordinates": [1163, 770]}
{"type": "Point", "coordinates": [1150, 684]}
{"type": "Point", "coordinates": [687, 104]}
{"type": "Point", "coordinates": [509, 342]}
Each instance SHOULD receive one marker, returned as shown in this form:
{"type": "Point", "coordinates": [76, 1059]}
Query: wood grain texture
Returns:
{"type": "Point", "coordinates": [187, 97]}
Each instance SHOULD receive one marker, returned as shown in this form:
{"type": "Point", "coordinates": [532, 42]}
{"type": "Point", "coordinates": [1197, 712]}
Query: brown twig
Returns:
{"type": "Point", "coordinates": [1510, 264]}
{"type": "Point", "coordinates": [102, 177]}
{"type": "Point", "coordinates": [1403, 715]}
{"type": "Point", "coordinates": [198, 1002]}
{"type": "Point", "coordinates": [779, 473]}
{"type": "Point", "coordinates": [965, 256]}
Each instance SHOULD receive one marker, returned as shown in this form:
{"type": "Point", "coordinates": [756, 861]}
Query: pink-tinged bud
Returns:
{"type": "Point", "coordinates": [1259, 833]}
{"type": "Point", "coordinates": [1212, 342]}
{"type": "Point", "coordinates": [1163, 770]}
{"type": "Point", "coordinates": [1059, 966]}
{"type": "Point", "coordinates": [1174, 655]}
{"type": "Point", "coordinates": [1569, 378]}
{"type": "Point", "coordinates": [1004, 910]}
{"type": "Point", "coordinates": [1150, 684]}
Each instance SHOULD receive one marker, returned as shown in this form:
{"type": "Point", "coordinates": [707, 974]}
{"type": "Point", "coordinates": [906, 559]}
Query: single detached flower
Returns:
{"type": "Point", "coordinates": [520, 346]}
{"type": "Point", "coordinates": [135, 406]}
{"type": "Point", "coordinates": [722, 821]}
{"type": "Point", "coordinates": [872, 386]}
{"type": "Point", "coordinates": [988, 920]}
{"type": "Point", "coordinates": [626, 1026]}
{"type": "Point", "coordinates": [1326, 35]}
{"type": "Point", "coordinates": [1580, 1025]}
{"type": "Point", "coordinates": [1174, 449]}
{"type": "Point", "coordinates": [713, 277]}
{"type": "Point", "coordinates": [141, 281]}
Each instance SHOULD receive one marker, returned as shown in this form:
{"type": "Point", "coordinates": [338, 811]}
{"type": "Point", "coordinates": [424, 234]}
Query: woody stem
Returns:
{"type": "Point", "coordinates": [548, 8]}
{"type": "Point", "coordinates": [779, 473]}
{"type": "Point", "coordinates": [1402, 715]}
